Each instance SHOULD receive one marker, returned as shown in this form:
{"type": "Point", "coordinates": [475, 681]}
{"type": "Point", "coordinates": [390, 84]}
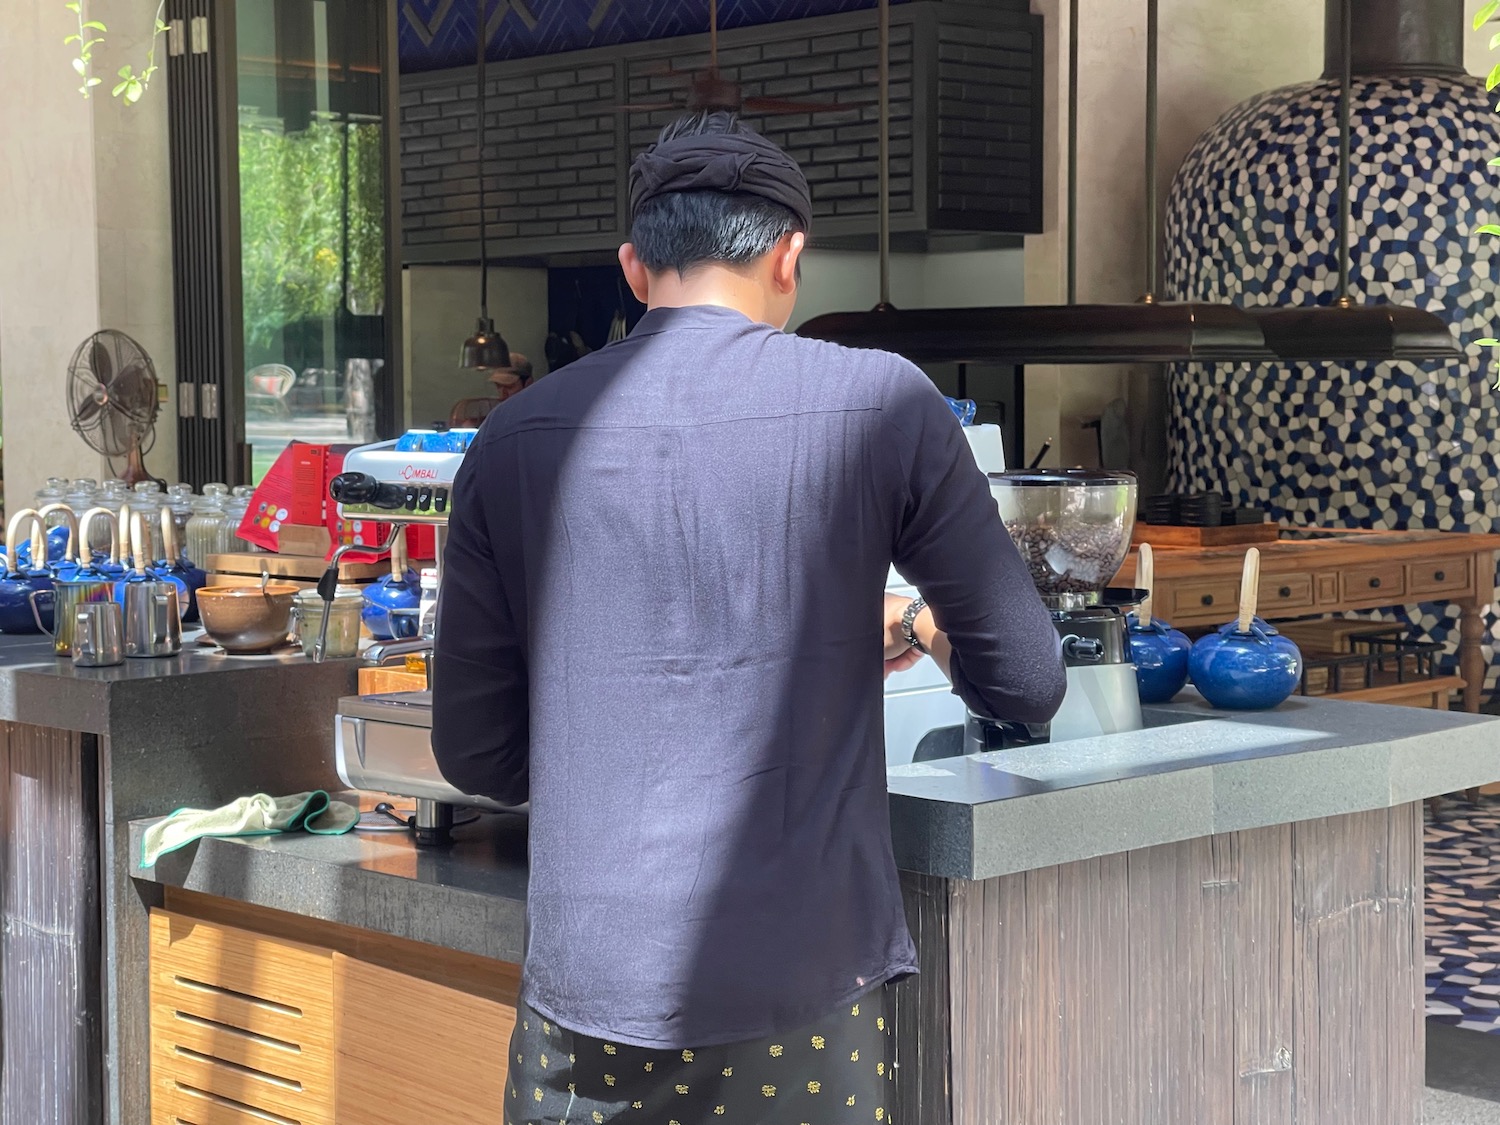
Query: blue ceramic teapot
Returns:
{"type": "Point", "coordinates": [1246, 665]}
{"type": "Point", "coordinates": [391, 605]}
{"type": "Point", "coordinates": [23, 585]}
{"type": "Point", "coordinates": [179, 568]}
{"type": "Point", "coordinates": [1159, 652]}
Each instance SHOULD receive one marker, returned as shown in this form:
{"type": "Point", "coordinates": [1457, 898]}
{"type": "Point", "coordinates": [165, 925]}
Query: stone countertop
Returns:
{"type": "Point", "coordinates": [1193, 772]}
{"type": "Point", "coordinates": [470, 896]}
{"type": "Point", "coordinates": [39, 689]}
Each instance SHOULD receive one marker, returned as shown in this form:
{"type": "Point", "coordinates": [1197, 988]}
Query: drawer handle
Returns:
{"type": "Point", "coordinates": [1439, 576]}
{"type": "Point", "coordinates": [1374, 583]}
{"type": "Point", "coordinates": [1285, 592]}
{"type": "Point", "coordinates": [1208, 599]}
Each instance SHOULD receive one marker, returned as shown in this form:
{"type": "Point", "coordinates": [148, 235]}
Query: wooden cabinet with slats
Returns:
{"type": "Point", "coordinates": [241, 1027]}
{"type": "Point", "coordinates": [260, 1018]}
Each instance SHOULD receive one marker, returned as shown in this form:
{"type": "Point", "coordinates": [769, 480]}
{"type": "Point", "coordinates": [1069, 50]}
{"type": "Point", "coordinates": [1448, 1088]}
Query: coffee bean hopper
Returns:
{"type": "Point", "coordinates": [1073, 527]}
{"type": "Point", "coordinates": [383, 743]}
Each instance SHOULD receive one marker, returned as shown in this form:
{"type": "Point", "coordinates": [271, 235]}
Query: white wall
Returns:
{"type": "Point", "coordinates": [83, 234]}
{"type": "Point", "coordinates": [849, 281]}
{"type": "Point", "coordinates": [440, 304]}
{"type": "Point", "coordinates": [1212, 57]}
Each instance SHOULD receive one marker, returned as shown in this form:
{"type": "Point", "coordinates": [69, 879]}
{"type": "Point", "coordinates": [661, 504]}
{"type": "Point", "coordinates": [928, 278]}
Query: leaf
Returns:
{"type": "Point", "coordinates": [73, 6]}
{"type": "Point", "coordinates": [133, 92]}
{"type": "Point", "coordinates": [96, 25]}
{"type": "Point", "coordinates": [79, 65]}
{"type": "Point", "coordinates": [1488, 228]}
{"type": "Point", "coordinates": [1487, 342]}
{"type": "Point", "coordinates": [1482, 16]}
{"type": "Point", "coordinates": [93, 81]}
{"type": "Point", "coordinates": [124, 71]}
{"type": "Point", "coordinates": [115, 93]}
{"type": "Point", "coordinates": [1494, 77]}
{"type": "Point", "coordinates": [73, 39]}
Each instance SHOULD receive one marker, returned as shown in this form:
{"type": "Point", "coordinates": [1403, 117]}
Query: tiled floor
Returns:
{"type": "Point", "coordinates": [1463, 915]}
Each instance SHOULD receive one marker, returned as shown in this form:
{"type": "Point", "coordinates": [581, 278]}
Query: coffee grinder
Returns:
{"type": "Point", "coordinates": [1073, 527]}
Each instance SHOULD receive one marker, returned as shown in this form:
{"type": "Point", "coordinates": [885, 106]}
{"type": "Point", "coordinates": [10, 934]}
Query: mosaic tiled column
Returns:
{"type": "Point", "coordinates": [1252, 220]}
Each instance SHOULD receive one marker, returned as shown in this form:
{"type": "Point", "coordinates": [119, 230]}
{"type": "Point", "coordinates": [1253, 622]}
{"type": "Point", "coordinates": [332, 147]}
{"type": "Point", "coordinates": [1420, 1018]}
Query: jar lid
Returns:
{"type": "Point", "coordinates": [1054, 477]}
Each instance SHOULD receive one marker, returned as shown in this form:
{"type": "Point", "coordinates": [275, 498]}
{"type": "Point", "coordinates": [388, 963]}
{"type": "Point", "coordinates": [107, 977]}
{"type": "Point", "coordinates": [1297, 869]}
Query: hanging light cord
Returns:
{"type": "Point", "coordinates": [484, 271]}
{"type": "Point", "coordinates": [1073, 152]}
{"type": "Point", "coordinates": [1153, 234]}
{"type": "Point", "coordinates": [1346, 96]}
{"type": "Point", "coordinates": [885, 153]}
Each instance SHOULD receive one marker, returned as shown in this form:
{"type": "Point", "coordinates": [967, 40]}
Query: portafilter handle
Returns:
{"type": "Point", "coordinates": [328, 585]}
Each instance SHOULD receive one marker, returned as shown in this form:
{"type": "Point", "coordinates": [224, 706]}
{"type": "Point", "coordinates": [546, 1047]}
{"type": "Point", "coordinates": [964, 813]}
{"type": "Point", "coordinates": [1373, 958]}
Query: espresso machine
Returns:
{"type": "Point", "coordinates": [1073, 528]}
{"type": "Point", "coordinates": [383, 743]}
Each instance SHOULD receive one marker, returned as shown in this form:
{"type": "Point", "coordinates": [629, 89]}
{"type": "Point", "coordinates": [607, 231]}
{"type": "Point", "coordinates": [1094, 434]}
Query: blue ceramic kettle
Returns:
{"type": "Point", "coordinates": [22, 581]}
{"type": "Point", "coordinates": [1246, 665]}
{"type": "Point", "coordinates": [392, 604]}
{"type": "Point", "coordinates": [177, 567]}
{"type": "Point", "coordinates": [1159, 652]}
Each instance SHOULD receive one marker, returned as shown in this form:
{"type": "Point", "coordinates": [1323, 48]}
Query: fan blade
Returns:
{"type": "Point", "coordinates": [781, 105]}
{"type": "Point", "coordinates": [85, 413]}
{"type": "Point", "coordinates": [101, 364]}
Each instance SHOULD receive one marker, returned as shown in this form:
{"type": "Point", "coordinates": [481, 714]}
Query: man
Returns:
{"type": "Point", "coordinates": [512, 380]}
{"type": "Point", "coordinates": [661, 622]}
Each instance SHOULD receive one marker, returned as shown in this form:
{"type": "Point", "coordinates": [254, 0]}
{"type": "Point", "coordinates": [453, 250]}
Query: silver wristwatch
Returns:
{"type": "Point", "coordinates": [909, 620]}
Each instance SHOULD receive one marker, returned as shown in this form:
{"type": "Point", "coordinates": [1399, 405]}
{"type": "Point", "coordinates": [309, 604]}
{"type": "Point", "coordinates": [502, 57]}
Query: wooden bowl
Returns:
{"type": "Point", "coordinates": [243, 620]}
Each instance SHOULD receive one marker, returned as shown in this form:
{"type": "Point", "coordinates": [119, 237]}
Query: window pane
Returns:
{"type": "Point", "coordinates": [312, 222]}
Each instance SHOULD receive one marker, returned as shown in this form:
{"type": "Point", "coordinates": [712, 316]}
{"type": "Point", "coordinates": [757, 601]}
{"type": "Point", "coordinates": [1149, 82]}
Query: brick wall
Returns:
{"type": "Point", "coordinates": [965, 141]}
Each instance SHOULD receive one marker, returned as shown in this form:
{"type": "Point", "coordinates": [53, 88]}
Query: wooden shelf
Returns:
{"type": "Point", "coordinates": [1432, 693]}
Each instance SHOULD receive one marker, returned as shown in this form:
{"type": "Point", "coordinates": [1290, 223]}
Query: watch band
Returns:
{"type": "Point", "coordinates": [909, 620]}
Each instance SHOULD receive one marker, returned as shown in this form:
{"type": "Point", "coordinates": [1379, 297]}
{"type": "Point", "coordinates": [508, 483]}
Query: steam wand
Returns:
{"type": "Point", "coordinates": [328, 585]}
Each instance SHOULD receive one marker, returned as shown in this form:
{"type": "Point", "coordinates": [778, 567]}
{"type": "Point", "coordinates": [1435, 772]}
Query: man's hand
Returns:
{"type": "Point", "coordinates": [899, 656]}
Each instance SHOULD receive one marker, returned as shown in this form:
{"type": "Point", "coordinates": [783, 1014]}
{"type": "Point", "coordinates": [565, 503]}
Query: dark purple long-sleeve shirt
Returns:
{"type": "Point", "coordinates": [660, 621]}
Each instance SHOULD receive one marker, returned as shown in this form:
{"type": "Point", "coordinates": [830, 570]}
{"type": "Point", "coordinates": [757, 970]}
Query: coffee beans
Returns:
{"type": "Point", "coordinates": [1072, 559]}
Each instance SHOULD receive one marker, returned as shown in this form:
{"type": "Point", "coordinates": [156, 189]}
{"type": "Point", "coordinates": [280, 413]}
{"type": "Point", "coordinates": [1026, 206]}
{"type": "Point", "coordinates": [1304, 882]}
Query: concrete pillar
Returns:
{"type": "Point", "coordinates": [84, 236]}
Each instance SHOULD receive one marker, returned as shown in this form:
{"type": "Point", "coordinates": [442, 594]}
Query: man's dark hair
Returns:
{"type": "Point", "coordinates": [680, 230]}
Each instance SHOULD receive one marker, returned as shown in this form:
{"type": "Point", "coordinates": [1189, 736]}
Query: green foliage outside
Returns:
{"type": "Point", "coordinates": [291, 223]}
{"type": "Point", "coordinates": [132, 85]}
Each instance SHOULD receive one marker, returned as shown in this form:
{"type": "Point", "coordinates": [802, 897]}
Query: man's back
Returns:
{"type": "Point", "coordinates": [692, 530]}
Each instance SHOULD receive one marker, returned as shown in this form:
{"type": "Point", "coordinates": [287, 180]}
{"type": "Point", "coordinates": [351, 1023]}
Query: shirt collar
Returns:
{"type": "Point", "coordinates": [690, 316]}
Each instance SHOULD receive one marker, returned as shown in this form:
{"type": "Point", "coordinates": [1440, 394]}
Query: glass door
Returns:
{"type": "Point", "coordinates": [316, 297]}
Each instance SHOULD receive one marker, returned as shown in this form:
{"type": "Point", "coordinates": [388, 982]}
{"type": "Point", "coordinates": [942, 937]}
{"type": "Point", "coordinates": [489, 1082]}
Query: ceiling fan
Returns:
{"type": "Point", "coordinates": [711, 90]}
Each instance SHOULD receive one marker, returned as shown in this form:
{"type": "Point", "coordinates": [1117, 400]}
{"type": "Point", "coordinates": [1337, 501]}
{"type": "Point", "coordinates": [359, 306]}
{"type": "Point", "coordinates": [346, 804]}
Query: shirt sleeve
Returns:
{"type": "Point", "coordinates": [953, 547]}
{"type": "Point", "coordinates": [480, 717]}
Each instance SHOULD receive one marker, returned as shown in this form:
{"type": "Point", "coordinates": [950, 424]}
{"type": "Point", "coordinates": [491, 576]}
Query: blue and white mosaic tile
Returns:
{"type": "Point", "coordinates": [1252, 220]}
{"type": "Point", "coordinates": [1463, 917]}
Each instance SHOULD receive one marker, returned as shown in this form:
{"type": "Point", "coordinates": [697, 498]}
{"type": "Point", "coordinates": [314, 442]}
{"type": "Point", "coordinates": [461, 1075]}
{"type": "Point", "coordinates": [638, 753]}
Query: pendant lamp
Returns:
{"type": "Point", "coordinates": [1345, 331]}
{"type": "Point", "coordinates": [486, 348]}
{"type": "Point", "coordinates": [1149, 331]}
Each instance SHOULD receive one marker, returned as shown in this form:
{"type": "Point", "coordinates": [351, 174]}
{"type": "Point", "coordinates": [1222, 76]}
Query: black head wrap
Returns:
{"type": "Point", "coordinates": [728, 162]}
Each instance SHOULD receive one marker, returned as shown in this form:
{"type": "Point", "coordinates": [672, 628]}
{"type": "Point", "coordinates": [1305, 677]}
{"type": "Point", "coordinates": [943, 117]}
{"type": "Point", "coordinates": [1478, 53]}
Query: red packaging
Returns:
{"type": "Point", "coordinates": [291, 492]}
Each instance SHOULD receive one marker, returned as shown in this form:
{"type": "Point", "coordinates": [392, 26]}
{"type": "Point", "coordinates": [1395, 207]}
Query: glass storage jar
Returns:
{"type": "Point", "coordinates": [343, 621]}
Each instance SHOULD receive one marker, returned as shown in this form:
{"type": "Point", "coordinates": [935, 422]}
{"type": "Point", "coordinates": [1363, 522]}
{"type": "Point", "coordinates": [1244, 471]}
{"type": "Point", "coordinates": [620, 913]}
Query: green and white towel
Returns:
{"type": "Point", "coordinates": [257, 815]}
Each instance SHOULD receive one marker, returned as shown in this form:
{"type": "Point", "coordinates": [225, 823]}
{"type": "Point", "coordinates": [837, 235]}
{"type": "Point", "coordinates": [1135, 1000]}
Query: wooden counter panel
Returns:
{"type": "Point", "coordinates": [393, 1070]}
